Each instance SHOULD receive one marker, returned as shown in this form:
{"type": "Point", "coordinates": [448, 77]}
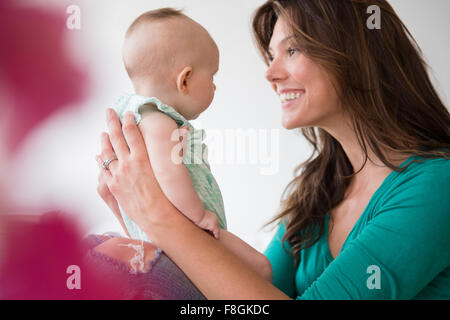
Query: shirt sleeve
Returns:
{"type": "Point", "coordinates": [282, 262]}
{"type": "Point", "coordinates": [403, 248]}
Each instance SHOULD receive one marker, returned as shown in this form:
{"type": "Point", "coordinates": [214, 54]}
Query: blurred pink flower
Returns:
{"type": "Point", "coordinates": [38, 74]}
{"type": "Point", "coordinates": [39, 78]}
{"type": "Point", "coordinates": [36, 257]}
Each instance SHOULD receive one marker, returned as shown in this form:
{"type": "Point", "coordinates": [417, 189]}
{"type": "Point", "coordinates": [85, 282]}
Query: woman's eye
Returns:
{"type": "Point", "coordinates": [291, 51]}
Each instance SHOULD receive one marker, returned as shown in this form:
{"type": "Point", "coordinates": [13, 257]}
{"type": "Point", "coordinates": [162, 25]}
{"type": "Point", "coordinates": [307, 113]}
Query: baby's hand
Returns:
{"type": "Point", "coordinates": [210, 222]}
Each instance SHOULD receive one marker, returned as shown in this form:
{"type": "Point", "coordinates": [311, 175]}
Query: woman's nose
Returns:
{"type": "Point", "coordinates": [276, 72]}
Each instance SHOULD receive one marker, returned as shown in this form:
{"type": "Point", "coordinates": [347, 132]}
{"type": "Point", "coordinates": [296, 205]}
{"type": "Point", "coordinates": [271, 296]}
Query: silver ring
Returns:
{"type": "Point", "coordinates": [106, 163]}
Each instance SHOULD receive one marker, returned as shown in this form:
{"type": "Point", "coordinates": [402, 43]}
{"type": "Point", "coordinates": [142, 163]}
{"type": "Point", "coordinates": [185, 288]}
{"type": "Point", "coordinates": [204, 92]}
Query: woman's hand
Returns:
{"type": "Point", "coordinates": [108, 197]}
{"type": "Point", "coordinates": [130, 178]}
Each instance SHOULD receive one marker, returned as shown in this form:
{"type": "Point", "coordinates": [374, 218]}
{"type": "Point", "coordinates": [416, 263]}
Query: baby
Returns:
{"type": "Point", "coordinates": [171, 61]}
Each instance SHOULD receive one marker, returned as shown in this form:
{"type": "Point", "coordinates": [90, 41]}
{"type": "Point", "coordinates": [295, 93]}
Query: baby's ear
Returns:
{"type": "Point", "coordinates": [183, 79]}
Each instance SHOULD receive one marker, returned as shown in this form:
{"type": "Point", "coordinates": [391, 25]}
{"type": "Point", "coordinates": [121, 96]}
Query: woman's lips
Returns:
{"type": "Point", "coordinates": [289, 98]}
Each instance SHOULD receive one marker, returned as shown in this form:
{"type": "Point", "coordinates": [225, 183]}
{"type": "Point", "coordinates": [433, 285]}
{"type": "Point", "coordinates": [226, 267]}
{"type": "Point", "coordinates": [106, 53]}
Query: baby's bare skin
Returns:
{"type": "Point", "coordinates": [116, 248]}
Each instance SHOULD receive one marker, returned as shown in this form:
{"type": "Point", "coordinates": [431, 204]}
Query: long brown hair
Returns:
{"type": "Point", "coordinates": [383, 86]}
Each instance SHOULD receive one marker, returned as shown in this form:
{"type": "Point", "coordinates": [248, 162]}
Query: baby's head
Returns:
{"type": "Point", "coordinates": [170, 56]}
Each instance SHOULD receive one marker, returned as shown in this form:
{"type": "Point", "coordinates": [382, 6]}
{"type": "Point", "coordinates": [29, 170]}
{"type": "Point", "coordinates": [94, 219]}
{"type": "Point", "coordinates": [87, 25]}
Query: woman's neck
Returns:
{"type": "Point", "coordinates": [371, 168]}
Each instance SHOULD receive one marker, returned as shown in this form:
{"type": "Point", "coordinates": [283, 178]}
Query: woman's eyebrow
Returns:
{"type": "Point", "coordinates": [285, 39]}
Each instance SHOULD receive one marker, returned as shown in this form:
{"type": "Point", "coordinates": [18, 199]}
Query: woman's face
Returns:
{"type": "Point", "coordinates": [306, 93]}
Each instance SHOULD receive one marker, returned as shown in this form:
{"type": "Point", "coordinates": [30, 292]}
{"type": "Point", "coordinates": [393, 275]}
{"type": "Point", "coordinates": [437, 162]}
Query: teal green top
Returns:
{"type": "Point", "coordinates": [195, 159]}
{"type": "Point", "coordinates": [398, 249]}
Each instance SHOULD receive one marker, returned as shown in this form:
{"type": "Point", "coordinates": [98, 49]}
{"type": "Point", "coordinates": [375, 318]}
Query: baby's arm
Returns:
{"type": "Point", "coordinates": [256, 260]}
{"type": "Point", "coordinates": [158, 129]}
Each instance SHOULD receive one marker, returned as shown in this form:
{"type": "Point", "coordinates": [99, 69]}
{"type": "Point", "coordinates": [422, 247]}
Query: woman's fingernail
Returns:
{"type": "Point", "coordinates": [109, 113]}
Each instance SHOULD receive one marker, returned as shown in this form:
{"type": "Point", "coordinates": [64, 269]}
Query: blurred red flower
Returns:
{"type": "Point", "coordinates": [39, 78]}
{"type": "Point", "coordinates": [37, 251]}
{"type": "Point", "coordinates": [35, 67]}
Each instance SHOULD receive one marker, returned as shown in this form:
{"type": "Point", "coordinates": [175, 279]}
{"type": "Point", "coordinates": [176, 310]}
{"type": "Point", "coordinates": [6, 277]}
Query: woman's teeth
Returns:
{"type": "Point", "coordinates": [289, 96]}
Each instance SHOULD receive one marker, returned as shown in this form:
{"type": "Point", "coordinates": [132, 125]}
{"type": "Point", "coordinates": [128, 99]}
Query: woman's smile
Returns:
{"type": "Point", "coordinates": [290, 98]}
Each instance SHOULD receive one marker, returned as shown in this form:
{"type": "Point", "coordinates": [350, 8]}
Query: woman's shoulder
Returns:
{"type": "Point", "coordinates": [416, 201]}
{"type": "Point", "coordinates": [424, 183]}
{"type": "Point", "coordinates": [426, 168]}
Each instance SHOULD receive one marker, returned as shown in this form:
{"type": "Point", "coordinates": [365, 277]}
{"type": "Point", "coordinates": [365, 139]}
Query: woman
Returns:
{"type": "Point", "coordinates": [367, 215]}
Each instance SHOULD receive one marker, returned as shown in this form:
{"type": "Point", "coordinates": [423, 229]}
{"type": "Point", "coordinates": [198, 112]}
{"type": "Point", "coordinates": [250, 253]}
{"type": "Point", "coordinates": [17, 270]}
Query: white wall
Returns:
{"type": "Point", "coordinates": [57, 166]}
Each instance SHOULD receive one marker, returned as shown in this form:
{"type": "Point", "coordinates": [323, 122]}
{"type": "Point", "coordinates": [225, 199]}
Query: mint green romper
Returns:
{"type": "Point", "coordinates": [194, 159]}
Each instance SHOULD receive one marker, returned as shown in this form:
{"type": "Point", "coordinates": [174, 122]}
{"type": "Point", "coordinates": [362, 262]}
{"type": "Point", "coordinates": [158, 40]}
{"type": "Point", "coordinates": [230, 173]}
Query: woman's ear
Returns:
{"type": "Point", "coordinates": [183, 79]}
